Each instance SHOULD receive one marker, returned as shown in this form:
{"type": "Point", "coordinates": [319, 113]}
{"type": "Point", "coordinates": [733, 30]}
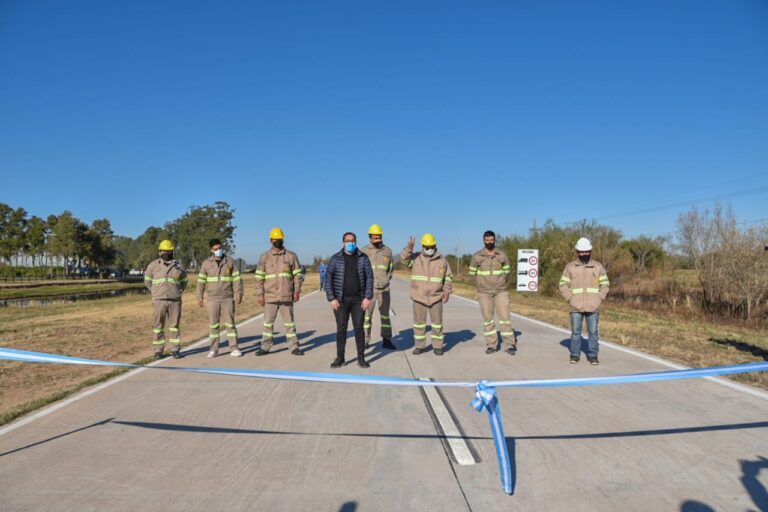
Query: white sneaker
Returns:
{"type": "Point", "coordinates": [212, 353]}
{"type": "Point", "coordinates": [236, 353]}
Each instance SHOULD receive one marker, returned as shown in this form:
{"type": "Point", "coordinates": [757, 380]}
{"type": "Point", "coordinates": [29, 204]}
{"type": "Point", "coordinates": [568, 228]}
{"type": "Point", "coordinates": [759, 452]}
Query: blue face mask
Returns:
{"type": "Point", "coordinates": [218, 253]}
{"type": "Point", "coordinates": [350, 247]}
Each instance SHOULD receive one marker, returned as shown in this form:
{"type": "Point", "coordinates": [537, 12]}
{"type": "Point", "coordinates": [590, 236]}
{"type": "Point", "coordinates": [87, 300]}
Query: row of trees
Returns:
{"type": "Point", "coordinates": [45, 242]}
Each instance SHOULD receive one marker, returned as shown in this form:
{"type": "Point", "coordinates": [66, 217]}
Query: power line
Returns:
{"type": "Point", "coordinates": [739, 193]}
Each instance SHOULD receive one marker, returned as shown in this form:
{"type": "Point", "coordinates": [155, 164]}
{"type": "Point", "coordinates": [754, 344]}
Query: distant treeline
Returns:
{"type": "Point", "coordinates": [37, 242]}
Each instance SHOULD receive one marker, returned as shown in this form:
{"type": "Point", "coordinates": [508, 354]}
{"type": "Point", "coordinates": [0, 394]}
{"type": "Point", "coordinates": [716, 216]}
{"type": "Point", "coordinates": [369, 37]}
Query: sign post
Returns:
{"type": "Point", "coordinates": [527, 270]}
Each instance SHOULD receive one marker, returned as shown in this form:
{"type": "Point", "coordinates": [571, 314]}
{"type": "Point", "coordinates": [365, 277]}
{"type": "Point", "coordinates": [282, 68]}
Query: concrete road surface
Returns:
{"type": "Point", "coordinates": [166, 441]}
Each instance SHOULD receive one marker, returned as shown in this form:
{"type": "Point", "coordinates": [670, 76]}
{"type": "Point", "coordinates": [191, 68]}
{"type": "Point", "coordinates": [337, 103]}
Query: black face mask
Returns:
{"type": "Point", "coordinates": [378, 244]}
{"type": "Point", "coordinates": [490, 245]}
{"type": "Point", "coordinates": [585, 259]}
{"type": "Point", "coordinates": [166, 256]}
{"type": "Point", "coordinates": [277, 244]}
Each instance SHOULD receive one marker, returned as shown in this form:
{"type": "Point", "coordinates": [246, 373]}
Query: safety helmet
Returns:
{"type": "Point", "coordinates": [375, 229]}
{"type": "Point", "coordinates": [166, 245]}
{"type": "Point", "coordinates": [276, 234]}
{"type": "Point", "coordinates": [583, 245]}
{"type": "Point", "coordinates": [428, 240]}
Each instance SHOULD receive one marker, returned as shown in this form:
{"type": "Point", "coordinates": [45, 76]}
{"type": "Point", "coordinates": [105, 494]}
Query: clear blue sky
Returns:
{"type": "Point", "coordinates": [321, 117]}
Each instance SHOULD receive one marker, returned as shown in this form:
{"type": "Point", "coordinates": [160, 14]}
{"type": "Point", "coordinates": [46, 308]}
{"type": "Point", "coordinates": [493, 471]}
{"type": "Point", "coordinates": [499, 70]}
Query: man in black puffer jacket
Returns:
{"type": "Point", "coordinates": [349, 288]}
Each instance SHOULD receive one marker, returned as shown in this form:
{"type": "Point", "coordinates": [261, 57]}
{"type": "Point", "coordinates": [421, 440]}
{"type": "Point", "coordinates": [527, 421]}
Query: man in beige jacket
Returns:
{"type": "Point", "coordinates": [584, 284]}
{"type": "Point", "coordinates": [278, 287]}
{"type": "Point", "coordinates": [490, 268]}
{"type": "Point", "coordinates": [431, 285]}
{"type": "Point", "coordinates": [166, 281]}
{"type": "Point", "coordinates": [220, 276]}
{"type": "Point", "coordinates": [383, 268]}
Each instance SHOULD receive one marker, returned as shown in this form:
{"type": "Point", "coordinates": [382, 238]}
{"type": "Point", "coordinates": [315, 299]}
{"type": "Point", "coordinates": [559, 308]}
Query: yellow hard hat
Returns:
{"type": "Point", "coordinates": [276, 234]}
{"type": "Point", "coordinates": [375, 229]}
{"type": "Point", "coordinates": [428, 240]}
{"type": "Point", "coordinates": [166, 245]}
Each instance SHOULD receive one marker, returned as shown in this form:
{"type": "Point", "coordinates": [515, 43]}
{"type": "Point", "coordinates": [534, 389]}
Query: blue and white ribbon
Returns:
{"type": "Point", "coordinates": [485, 391]}
{"type": "Point", "coordinates": [485, 398]}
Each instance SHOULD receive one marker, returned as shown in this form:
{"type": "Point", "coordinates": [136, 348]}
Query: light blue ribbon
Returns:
{"type": "Point", "coordinates": [485, 391]}
{"type": "Point", "coordinates": [485, 398]}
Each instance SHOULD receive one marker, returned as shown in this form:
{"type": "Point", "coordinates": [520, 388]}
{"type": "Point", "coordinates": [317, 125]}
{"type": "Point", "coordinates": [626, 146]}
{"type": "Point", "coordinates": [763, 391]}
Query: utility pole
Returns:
{"type": "Point", "coordinates": [458, 256]}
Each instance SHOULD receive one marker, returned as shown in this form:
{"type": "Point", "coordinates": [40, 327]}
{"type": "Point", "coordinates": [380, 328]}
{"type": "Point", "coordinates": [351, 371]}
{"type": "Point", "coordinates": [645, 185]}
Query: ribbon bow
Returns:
{"type": "Point", "coordinates": [485, 398]}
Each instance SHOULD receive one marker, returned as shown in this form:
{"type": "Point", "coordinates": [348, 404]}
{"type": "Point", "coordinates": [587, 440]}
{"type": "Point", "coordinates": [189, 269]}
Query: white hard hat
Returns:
{"type": "Point", "coordinates": [583, 245]}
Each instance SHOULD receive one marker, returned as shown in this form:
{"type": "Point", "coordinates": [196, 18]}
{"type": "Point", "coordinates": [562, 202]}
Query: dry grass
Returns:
{"type": "Point", "coordinates": [117, 329]}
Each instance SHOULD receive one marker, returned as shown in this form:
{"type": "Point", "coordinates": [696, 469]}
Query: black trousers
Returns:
{"type": "Point", "coordinates": [350, 306]}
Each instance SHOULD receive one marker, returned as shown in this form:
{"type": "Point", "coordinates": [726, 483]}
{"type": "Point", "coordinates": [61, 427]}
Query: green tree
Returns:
{"type": "Point", "coordinates": [191, 232]}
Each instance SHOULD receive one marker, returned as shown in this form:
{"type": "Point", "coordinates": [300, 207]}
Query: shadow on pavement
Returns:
{"type": "Point", "coordinates": [750, 471]}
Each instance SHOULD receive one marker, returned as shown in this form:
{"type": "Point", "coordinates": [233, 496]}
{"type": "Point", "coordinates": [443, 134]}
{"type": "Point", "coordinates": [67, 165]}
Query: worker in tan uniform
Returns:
{"type": "Point", "coordinates": [220, 276]}
{"type": "Point", "coordinates": [490, 268]}
{"type": "Point", "coordinates": [585, 285]}
{"type": "Point", "coordinates": [431, 285]}
{"type": "Point", "coordinates": [383, 268]}
{"type": "Point", "coordinates": [166, 281]}
{"type": "Point", "coordinates": [278, 287]}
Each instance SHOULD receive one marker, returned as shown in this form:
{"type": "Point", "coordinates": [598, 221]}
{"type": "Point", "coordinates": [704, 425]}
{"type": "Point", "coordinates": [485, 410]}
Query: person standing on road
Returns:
{"type": "Point", "coordinates": [278, 287]}
{"type": "Point", "coordinates": [225, 288]}
{"type": "Point", "coordinates": [349, 289]}
{"type": "Point", "coordinates": [323, 270]}
{"type": "Point", "coordinates": [431, 285]}
{"type": "Point", "coordinates": [490, 268]}
{"type": "Point", "coordinates": [383, 268]}
{"type": "Point", "coordinates": [585, 285]}
{"type": "Point", "coordinates": [166, 281]}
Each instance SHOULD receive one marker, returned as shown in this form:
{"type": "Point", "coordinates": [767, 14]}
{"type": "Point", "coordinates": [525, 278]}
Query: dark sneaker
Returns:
{"type": "Point", "coordinates": [262, 352]}
{"type": "Point", "coordinates": [490, 350]}
{"type": "Point", "coordinates": [593, 361]}
{"type": "Point", "coordinates": [574, 359]}
{"type": "Point", "coordinates": [297, 352]}
{"type": "Point", "coordinates": [158, 356]}
{"type": "Point", "coordinates": [387, 344]}
{"type": "Point", "coordinates": [438, 351]}
{"type": "Point", "coordinates": [176, 354]}
{"type": "Point", "coordinates": [418, 351]}
{"type": "Point", "coordinates": [362, 363]}
{"type": "Point", "coordinates": [337, 362]}
{"type": "Point", "coordinates": [511, 351]}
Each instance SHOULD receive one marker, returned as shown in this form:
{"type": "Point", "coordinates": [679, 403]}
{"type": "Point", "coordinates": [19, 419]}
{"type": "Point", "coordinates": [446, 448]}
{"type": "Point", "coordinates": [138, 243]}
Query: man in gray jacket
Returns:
{"type": "Point", "coordinates": [167, 281]}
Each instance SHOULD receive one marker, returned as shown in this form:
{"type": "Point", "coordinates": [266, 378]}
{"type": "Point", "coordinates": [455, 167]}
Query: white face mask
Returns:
{"type": "Point", "coordinates": [430, 252]}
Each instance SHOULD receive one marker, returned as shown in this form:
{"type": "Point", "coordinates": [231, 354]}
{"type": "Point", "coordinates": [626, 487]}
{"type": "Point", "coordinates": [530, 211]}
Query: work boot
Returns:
{"type": "Point", "coordinates": [337, 362]}
{"type": "Point", "coordinates": [438, 351]}
{"type": "Point", "coordinates": [176, 354]}
{"type": "Point", "coordinates": [236, 353]}
{"type": "Point", "coordinates": [262, 352]}
{"type": "Point", "coordinates": [158, 356]}
{"type": "Point", "coordinates": [490, 350]}
{"type": "Point", "coordinates": [574, 359]}
{"type": "Point", "coordinates": [362, 363]}
{"type": "Point", "coordinates": [511, 351]}
{"type": "Point", "coordinates": [297, 352]}
{"type": "Point", "coordinates": [388, 344]}
{"type": "Point", "coordinates": [367, 343]}
{"type": "Point", "coordinates": [593, 361]}
{"type": "Point", "coordinates": [212, 353]}
{"type": "Point", "coordinates": [418, 351]}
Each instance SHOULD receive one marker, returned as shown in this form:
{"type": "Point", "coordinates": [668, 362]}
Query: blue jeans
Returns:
{"type": "Point", "coordinates": [322, 281]}
{"type": "Point", "coordinates": [576, 322]}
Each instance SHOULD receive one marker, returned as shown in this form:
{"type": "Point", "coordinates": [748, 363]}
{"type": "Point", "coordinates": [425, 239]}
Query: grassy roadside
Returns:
{"type": "Point", "coordinates": [118, 329]}
{"type": "Point", "coordinates": [690, 343]}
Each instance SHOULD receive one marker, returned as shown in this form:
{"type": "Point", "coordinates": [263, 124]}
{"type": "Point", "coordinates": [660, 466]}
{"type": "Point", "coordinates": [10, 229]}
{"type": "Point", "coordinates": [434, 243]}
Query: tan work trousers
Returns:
{"type": "Point", "coordinates": [166, 314]}
{"type": "Point", "coordinates": [380, 297]}
{"type": "Point", "coordinates": [270, 314]}
{"type": "Point", "coordinates": [498, 302]}
{"type": "Point", "coordinates": [420, 312]}
{"type": "Point", "coordinates": [222, 312]}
